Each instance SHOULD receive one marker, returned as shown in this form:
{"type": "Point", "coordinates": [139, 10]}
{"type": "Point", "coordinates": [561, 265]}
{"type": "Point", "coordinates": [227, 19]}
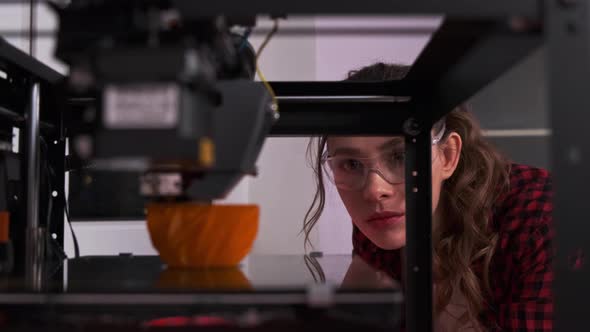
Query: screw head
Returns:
{"type": "Point", "coordinates": [411, 127]}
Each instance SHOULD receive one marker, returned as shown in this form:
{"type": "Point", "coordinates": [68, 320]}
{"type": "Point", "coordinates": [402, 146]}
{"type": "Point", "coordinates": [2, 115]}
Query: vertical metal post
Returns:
{"type": "Point", "coordinates": [33, 167]}
{"type": "Point", "coordinates": [57, 161]}
{"type": "Point", "coordinates": [35, 239]}
{"type": "Point", "coordinates": [567, 31]}
{"type": "Point", "coordinates": [418, 267]}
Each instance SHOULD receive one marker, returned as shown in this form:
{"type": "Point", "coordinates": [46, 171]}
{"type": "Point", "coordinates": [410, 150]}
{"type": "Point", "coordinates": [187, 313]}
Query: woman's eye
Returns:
{"type": "Point", "coordinates": [350, 165]}
{"type": "Point", "coordinates": [397, 157]}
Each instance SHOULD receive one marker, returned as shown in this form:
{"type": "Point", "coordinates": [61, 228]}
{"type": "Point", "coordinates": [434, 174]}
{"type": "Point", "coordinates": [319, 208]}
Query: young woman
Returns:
{"type": "Point", "coordinates": [492, 233]}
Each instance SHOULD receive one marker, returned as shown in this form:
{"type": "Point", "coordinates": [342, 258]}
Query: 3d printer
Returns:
{"type": "Point", "coordinates": [169, 95]}
{"type": "Point", "coordinates": [175, 96]}
{"type": "Point", "coordinates": [192, 125]}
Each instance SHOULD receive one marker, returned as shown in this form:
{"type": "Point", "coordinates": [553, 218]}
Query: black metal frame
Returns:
{"type": "Point", "coordinates": [458, 8]}
{"type": "Point", "coordinates": [454, 66]}
{"type": "Point", "coordinates": [25, 72]}
{"type": "Point", "coordinates": [463, 56]}
{"type": "Point", "coordinates": [568, 68]}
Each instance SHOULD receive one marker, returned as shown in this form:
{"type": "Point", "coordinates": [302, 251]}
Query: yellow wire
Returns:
{"type": "Point", "coordinates": [259, 72]}
{"type": "Point", "coordinates": [268, 87]}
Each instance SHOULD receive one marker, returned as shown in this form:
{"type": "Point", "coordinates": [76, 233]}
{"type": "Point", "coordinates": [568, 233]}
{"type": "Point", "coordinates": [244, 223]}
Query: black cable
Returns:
{"type": "Point", "coordinates": [76, 247]}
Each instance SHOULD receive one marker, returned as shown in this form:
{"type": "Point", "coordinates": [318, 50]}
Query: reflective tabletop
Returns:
{"type": "Point", "coordinates": [141, 288]}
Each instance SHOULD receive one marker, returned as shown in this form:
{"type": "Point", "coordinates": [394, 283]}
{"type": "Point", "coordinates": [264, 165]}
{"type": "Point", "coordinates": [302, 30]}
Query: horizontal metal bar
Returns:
{"type": "Point", "coordinates": [245, 298]}
{"type": "Point", "coordinates": [13, 56]}
{"type": "Point", "coordinates": [17, 119]}
{"type": "Point", "coordinates": [340, 88]}
{"type": "Point", "coordinates": [528, 8]}
{"type": "Point", "coordinates": [499, 8]}
{"type": "Point", "coordinates": [324, 113]}
{"type": "Point", "coordinates": [283, 31]}
{"type": "Point", "coordinates": [10, 115]}
{"type": "Point", "coordinates": [341, 118]}
{"type": "Point", "coordinates": [325, 90]}
{"type": "Point", "coordinates": [81, 100]}
{"type": "Point", "coordinates": [347, 31]}
{"type": "Point", "coordinates": [335, 99]}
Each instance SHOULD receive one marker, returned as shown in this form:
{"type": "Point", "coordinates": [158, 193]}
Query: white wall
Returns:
{"type": "Point", "coordinates": [336, 55]}
{"type": "Point", "coordinates": [285, 185]}
{"type": "Point", "coordinates": [45, 46]}
{"type": "Point", "coordinates": [14, 17]}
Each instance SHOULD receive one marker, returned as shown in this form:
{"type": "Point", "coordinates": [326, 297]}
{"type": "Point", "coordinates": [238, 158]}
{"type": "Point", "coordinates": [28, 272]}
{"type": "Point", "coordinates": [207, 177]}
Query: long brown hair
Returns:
{"type": "Point", "coordinates": [463, 238]}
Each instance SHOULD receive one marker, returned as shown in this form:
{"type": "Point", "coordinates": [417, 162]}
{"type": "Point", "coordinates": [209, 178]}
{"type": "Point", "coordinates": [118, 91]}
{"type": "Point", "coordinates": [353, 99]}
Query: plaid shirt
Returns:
{"type": "Point", "coordinates": [521, 271]}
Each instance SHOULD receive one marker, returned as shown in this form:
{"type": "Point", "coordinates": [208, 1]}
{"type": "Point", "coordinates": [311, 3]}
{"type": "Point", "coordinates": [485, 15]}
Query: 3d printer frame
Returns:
{"type": "Point", "coordinates": [477, 42]}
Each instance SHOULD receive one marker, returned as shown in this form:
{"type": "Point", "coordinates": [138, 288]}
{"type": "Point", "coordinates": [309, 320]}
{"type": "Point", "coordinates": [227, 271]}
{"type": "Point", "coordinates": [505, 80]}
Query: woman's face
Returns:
{"type": "Point", "coordinates": [377, 205]}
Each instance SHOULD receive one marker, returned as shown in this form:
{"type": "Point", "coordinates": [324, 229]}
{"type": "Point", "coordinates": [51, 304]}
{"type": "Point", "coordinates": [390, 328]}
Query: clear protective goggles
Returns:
{"type": "Point", "coordinates": [348, 172]}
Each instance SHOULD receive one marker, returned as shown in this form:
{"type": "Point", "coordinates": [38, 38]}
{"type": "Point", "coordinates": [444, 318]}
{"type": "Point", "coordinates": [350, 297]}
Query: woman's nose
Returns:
{"type": "Point", "coordinates": [377, 188]}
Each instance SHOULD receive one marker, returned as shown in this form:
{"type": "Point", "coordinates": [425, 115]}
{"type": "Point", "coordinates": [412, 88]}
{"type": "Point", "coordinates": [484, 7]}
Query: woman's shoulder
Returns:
{"type": "Point", "coordinates": [521, 268]}
{"type": "Point", "coordinates": [527, 204]}
{"type": "Point", "coordinates": [527, 184]}
{"type": "Point", "coordinates": [528, 178]}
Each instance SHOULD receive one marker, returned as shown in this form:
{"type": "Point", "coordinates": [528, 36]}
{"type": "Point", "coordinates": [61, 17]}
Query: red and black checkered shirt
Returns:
{"type": "Point", "coordinates": [521, 273]}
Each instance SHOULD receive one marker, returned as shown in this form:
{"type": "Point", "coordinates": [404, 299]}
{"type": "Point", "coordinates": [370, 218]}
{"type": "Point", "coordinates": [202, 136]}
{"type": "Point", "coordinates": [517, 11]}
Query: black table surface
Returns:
{"type": "Point", "coordinates": [128, 292]}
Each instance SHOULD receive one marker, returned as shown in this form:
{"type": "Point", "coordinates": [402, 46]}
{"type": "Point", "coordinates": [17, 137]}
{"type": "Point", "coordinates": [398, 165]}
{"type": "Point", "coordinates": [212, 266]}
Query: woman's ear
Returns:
{"type": "Point", "coordinates": [450, 154]}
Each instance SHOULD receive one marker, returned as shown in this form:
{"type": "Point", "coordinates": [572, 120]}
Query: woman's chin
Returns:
{"type": "Point", "coordinates": [391, 238]}
{"type": "Point", "coordinates": [388, 242]}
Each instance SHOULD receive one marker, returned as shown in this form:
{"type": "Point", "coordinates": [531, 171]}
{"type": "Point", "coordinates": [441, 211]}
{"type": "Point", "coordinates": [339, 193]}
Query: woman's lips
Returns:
{"type": "Point", "coordinates": [386, 219]}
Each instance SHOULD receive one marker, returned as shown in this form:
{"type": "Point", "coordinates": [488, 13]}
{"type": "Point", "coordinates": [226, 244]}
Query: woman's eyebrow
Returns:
{"type": "Point", "coordinates": [346, 150]}
{"type": "Point", "coordinates": [392, 143]}
{"type": "Point", "coordinates": [349, 150]}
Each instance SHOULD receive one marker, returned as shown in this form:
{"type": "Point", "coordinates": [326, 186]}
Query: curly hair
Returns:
{"type": "Point", "coordinates": [463, 237]}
